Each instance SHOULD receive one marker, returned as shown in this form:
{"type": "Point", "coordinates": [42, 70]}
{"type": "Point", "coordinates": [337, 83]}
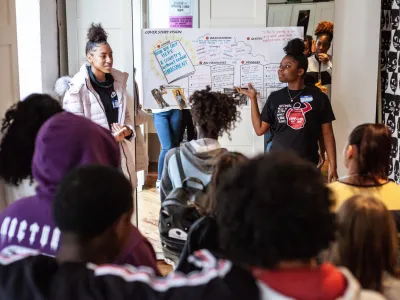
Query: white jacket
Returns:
{"type": "Point", "coordinates": [81, 99]}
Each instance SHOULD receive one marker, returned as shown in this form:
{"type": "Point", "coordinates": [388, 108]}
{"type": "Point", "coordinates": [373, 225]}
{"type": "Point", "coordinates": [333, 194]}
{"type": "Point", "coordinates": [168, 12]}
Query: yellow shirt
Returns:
{"type": "Point", "coordinates": [388, 193]}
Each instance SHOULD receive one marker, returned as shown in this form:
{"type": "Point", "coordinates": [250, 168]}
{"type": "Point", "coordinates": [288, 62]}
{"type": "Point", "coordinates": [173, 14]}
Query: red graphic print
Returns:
{"type": "Point", "coordinates": [295, 116]}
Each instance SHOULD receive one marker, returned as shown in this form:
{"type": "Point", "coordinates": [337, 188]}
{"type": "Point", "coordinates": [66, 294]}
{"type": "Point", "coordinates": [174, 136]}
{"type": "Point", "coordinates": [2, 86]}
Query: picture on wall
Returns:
{"type": "Point", "coordinates": [303, 19]}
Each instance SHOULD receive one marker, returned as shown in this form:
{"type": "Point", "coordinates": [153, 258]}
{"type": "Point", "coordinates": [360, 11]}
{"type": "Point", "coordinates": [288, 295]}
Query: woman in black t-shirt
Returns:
{"type": "Point", "coordinates": [298, 114]}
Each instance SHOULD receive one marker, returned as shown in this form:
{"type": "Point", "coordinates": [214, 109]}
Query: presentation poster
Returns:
{"type": "Point", "coordinates": [177, 62]}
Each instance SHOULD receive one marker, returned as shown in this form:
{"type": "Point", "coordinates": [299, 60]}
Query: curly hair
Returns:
{"type": "Point", "coordinates": [226, 162]}
{"type": "Point", "coordinates": [324, 28]}
{"type": "Point", "coordinates": [95, 35]}
{"type": "Point", "coordinates": [274, 208]}
{"type": "Point", "coordinates": [215, 113]}
{"type": "Point", "coordinates": [20, 126]}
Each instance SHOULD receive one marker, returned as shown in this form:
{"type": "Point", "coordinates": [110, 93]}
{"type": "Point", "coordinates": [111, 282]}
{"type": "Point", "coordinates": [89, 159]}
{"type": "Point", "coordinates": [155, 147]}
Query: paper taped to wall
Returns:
{"type": "Point", "coordinates": [192, 59]}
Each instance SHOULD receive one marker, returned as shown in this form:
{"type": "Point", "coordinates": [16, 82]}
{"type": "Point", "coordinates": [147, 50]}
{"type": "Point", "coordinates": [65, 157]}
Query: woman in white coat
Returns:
{"type": "Point", "coordinates": [98, 92]}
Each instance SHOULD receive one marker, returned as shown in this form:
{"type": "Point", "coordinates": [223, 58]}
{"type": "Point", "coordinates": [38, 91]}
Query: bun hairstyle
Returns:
{"type": "Point", "coordinates": [295, 48]}
{"type": "Point", "coordinates": [96, 35]}
{"type": "Point", "coordinates": [325, 28]}
{"type": "Point", "coordinates": [373, 142]}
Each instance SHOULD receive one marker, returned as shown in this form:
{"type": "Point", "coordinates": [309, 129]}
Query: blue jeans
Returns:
{"type": "Point", "coordinates": [267, 144]}
{"type": "Point", "coordinates": [168, 126]}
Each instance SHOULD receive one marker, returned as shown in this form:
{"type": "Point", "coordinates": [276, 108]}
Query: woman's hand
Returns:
{"type": "Point", "coordinates": [120, 132]}
{"type": "Point", "coordinates": [321, 160]}
{"type": "Point", "coordinates": [332, 175]}
{"type": "Point", "coordinates": [323, 57]}
{"type": "Point", "coordinates": [250, 92]}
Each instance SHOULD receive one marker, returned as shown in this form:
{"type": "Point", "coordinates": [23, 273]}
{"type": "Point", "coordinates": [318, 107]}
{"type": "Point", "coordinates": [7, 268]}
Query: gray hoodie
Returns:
{"type": "Point", "coordinates": [199, 158]}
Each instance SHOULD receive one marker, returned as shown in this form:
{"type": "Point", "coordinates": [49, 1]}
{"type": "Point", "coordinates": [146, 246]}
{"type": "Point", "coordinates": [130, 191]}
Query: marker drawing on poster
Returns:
{"type": "Point", "coordinates": [177, 62]}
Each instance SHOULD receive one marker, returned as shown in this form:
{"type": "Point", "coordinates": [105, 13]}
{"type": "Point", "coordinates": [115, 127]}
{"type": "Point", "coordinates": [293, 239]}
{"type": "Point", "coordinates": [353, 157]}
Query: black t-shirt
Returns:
{"type": "Point", "coordinates": [297, 125]}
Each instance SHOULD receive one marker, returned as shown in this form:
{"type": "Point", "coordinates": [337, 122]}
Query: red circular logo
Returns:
{"type": "Point", "coordinates": [201, 62]}
{"type": "Point", "coordinates": [158, 46]}
{"type": "Point", "coordinates": [242, 62]}
{"type": "Point", "coordinates": [248, 39]}
{"type": "Point", "coordinates": [207, 38]}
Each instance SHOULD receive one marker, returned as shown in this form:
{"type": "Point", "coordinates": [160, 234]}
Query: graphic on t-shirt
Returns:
{"type": "Point", "coordinates": [295, 116]}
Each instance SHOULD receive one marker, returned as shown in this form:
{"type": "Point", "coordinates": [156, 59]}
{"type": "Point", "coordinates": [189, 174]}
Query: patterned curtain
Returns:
{"type": "Point", "coordinates": [390, 69]}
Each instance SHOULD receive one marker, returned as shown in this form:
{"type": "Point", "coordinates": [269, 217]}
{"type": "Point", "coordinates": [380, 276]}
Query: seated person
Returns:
{"type": "Point", "coordinates": [367, 157]}
{"type": "Point", "coordinates": [367, 244]}
{"type": "Point", "coordinates": [204, 233]}
{"type": "Point", "coordinates": [20, 126]}
{"type": "Point", "coordinates": [213, 114]}
{"type": "Point", "coordinates": [272, 245]}
{"type": "Point", "coordinates": [64, 142]}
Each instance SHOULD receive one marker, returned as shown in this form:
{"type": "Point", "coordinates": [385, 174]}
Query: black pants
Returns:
{"type": "Point", "coordinates": [187, 122]}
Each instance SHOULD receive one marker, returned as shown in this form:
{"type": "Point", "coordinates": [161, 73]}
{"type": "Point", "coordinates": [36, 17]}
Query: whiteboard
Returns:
{"type": "Point", "coordinates": [178, 62]}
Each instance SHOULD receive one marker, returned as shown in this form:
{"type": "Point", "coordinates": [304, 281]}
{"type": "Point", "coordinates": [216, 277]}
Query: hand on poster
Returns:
{"type": "Point", "coordinates": [250, 92]}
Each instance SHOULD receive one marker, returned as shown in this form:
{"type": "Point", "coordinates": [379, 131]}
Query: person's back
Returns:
{"type": "Point", "coordinates": [84, 240]}
{"type": "Point", "coordinates": [367, 244]}
{"type": "Point", "coordinates": [204, 233]}
{"type": "Point", "coordinates": [198, 158]}
{"type": "Point", "coordinates": [20, 126]}
{"type": "Point", "coordinates": [64, 142]}
{"type": "Point", "coordinates": [367, 159]}
{"type": "Point", "coordinates": [279, 243]}
{"type": "Point", "coordinates": [213, 114]}
{"type": "Point", "coordinates": [387, 192]}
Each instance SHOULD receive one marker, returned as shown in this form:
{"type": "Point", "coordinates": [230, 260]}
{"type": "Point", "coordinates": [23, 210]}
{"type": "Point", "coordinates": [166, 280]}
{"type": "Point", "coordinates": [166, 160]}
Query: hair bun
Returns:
{"type": "Point", "coordinates": [96, 34]}
{"type": "Point", "coordinates": [324, 27]}
{"type": "Point", "coordinates": [295, 47]}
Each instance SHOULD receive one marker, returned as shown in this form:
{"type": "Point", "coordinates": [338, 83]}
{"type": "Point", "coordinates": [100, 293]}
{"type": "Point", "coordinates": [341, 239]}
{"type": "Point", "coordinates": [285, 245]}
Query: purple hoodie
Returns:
{"type": "Point", "coordinates": [64, 142]}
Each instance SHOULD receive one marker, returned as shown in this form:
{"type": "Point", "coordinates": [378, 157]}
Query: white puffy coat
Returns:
{"type": "Point", "coordinates": [81, 99]}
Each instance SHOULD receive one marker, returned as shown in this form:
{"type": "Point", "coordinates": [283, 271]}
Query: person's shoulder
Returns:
{"type": "Point", "coordinates": [354, 291]}
{"type": "Point", "coordinates": [204, 223]}
{"type": "Point", "coordinates": [277, 95]}
{"type": "Point", "coordinates": [316, 93]}
{"type": "Point", "coordinates": [391, 287]}
{"type": "Point", "coordinates": [393, 186]}
{"type": "Point", "coordinates": [389, 193]}
{"type": "Point", "coordinates": [19, 271]}
{"type": "Point", "coordinates": [314, 90]}
{"type": "Point", "coordinates": [78, 81]}
{"type": "Point", "coordinates": [18, 207]}
{"type": "Point", "coordinates": [119, 76]}
{"type": "Point", "coordinates": [370, 295]}
{"type": "Point", "coordinates": [171, 153]}
{"type": "Point", "coordinates": [211, 276]}
{"type": "Point", "coordinates": [336, 184]}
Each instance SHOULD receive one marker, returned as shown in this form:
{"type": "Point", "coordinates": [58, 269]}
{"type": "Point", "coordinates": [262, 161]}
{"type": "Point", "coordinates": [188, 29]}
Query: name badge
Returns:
{"type": "Point", "coordinates": [306, 99]}
{"type": "Point", "coordinates": [114, 100]}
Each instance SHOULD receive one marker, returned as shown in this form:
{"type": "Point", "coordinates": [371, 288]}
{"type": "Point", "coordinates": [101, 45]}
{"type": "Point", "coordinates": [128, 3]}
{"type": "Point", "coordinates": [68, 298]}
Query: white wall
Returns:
{"type": "Point", "coordinates": [355, 67]}
{"type": "Point", "coordinates": [49, 44]}
{"type": "Point", "coordinates": [29, 47]}
{"type": "Point", "coordinates": [37, 46]}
